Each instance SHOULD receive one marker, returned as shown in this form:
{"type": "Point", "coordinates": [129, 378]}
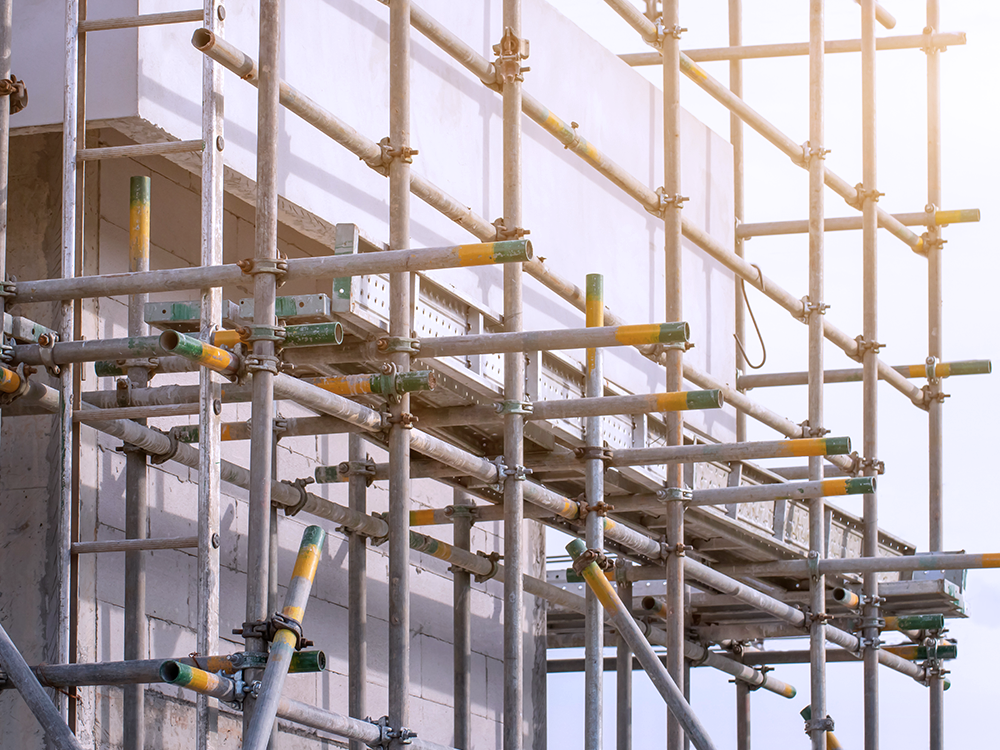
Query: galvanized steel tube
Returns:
{"type": "Point", "coordinates": [840, 224]}
{"type": "Point", "coordinates": [357, 593]}
{"type": "Point", "coordinates": [629, 630]}
{"type": "Point", "coordinates": [623, 681]}
{"type": "Point", "coordinates": [462, 625]}
{"type": "Point", "coordinates": [284, 643]}
{"type": "Point", "coordinates": [593, 711]}
{"type": "Point", "coordinates": [18, 671]}
{"type": "Point", "coordinates": [732, 451]}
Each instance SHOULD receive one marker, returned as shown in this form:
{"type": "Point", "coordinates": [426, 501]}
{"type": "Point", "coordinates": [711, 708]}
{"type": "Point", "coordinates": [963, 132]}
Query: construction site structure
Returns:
{"type": "Point", "coordinates": [280, 451]}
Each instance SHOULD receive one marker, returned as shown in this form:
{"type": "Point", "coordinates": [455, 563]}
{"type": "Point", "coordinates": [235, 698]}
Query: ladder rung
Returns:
{"type": "Point", "coordinates": [139, 149]}
{"type": "Point", "coordinates": [134, 545]}
{"type": "Point", "coordinates": [135, 412]}
{"type": "Point", "coordinates": [150, 19]}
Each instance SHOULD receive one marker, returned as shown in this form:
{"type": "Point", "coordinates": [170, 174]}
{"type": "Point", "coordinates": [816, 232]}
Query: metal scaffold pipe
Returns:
{"type": "Point", "coordinates": [898, 564]}
{"type": "Point", "coordinates": [195, 350]}
{"type": "Point", "coordinates": [931, 219]}
{"type": "Point", "coordinates": [18, 671]}
{"type": "Point", "coordinates": [286, 640]}
{"type": "Point", "coordinates": [732, 451]}
{"type": "Point", "coordinates": [796, 49]}
{"type": "Point", "coordinates": [629, 630]}
{"type": "Point", "coordinates": [783, 491]}
{"type": "Point", "coordinates": [856, 375]}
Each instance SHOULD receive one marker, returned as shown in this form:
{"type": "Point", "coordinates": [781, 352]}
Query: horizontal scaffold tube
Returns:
{"type": "Point", "coordinates": [799, 49]}
{"type": "Point", "coordinates": [572, 338]}
{"type": "Point", "coordinates": [27, 390]}
{"type": "Point", "coordinates": [910, 652]}
{"type": "Point", "coordinates": [357, 385]}
{"type": "Point", "coordinates": [305, 335]}
{"type": "Point", "coordinates": [784, 491]}
{"type": "Point", "coordinates": [845, 223]}
{"type": "Point", "coordinates": [67, 352]}
{"type": "Point", "coordinates": [196, 350]}
{"type": "Point", "coordinates": [854, 375]}
{"type": "Point", "coordinates": [292, 427]}
{"type": "Point", "coordinates": [630, 632]}
{"type": "Point", "coordinates": [731, 451]}
{"type": "Point", "coordinates": [576, 407]}
{"type": "Point", "coordinates": [898, 564]}
{"type": "Point", "coordinates": [369, 151]}
{"type": "Point", "coordinates": [148, 670]}
{"type": "Point", "coordinates": [327, 266]}
{"type": "Point", "coordinates": [207, 683]}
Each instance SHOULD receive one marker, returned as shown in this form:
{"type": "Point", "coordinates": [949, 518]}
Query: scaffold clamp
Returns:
{"type": "Point", "coordinates": [820, 725]}
{"type": "Point", "coordinates": [514, 407]}
{"type": "Point", "coordinates": [46, 342]}
{"type": "Point", "coordinates": [300, 485]}
{"type": "Point", "coordinates": [494, 558]}
{"type": "Point", "coordinates": [386, 734]}
{"type": "Point", "coordinates": [397, 344]}
{"type": "Point", "coordinates": [511, 50]}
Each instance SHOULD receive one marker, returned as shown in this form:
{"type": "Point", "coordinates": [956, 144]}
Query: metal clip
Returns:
{"type": "Point", "coordinates": [514, 407]}
{"type": "Point", "coordinates": [808, 431]}
{"type": "Point", "coordinates": [494, 558]}
{"type": "Point", "coordinates": [930, 369]}
{"type": "Point", "coordinates": [518, 473]}
{"type": "Point", "coordinates": [17, 92]}
{"type": "Point", "coordinates": [159, 458]}
{"type": "Point", "coordinates": [821, 725]}
{"type": "Point", "coordinates": [576, 138]}
{"type": "Point", "coordinates": [865, 345]}
{"type": "Point", "coordinates": [662, 32]}
{"type": "Point", "coordinates": [930, 243]}
{"type": "Point", "coordinates": [390, 154]}
{"type": "Point", "coordinates": [595, 452]}
{"type": "Point", "coordinates": [396, 344]}
{"type": "Point", "coordinates": [46, 342]}
{"type": "Point", "coordinates": [8, 398]}
{"type": "Point", "coordinates": [872, 643]}
{"type": "Point", "coordinates": [299, 484]}
{"type": "Point", "coordinates": [863, 195]}
{"type": "Point", "coordinates": [809, 153]}
{"type": "Point", "coordinates": [511, 50]}
{"type": "Point", "coordinates": [809, 307]}
{"type": "Point", "coordinates": [8, 288]}
{"type": "Point", "coordinates": [364, 469]}
{"type": "Point", "coordinates": [503, 233]}
{"type": "Point", "coordinates": [669, 201]}
{"type": "Point", "coordinates": [261, 363]}
{"type": "Point", "coordinates": [589, 556]}
{"type": "Point", "coordinates": [601, 508]}
{"type": "Point", "coordinates": [676, 494]}
{"type": "Point", "coordinates": [253, 266]}
{"type": "Point", "coordinates": [263, 333]}
{"type": "Point", "coordinates": [813, 562]}
{"type": "Point", "coordinates": [872, 464]}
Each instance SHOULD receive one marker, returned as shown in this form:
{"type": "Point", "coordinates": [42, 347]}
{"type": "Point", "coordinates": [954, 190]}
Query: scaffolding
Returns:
{"type": "Point", "coordinates": [367, 386]}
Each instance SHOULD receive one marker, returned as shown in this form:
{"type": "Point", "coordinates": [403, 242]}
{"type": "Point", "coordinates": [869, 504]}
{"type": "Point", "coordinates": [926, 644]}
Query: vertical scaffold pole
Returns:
{"type": "Point", "coordinates": [870, 630]}
{"type": "Point", "coordinates": [64, 513]}
{"type": "Point", "coordinates": [624, 664]}
{"type": "Point", "coordinates": [399, 327]}
{"type": "Point", "coordinates": [742, 715]}
{"type": "Point", "coordinates": [357, 571]}
{"type": "Point", "coordinates": [209, 385]}
{"type": "Point", "coordinates": [133, 731]}
{"type": "Point", "coordinates": [594, 481]}
{"type": "Point", "coordinates": [462, 620]}
{"type": "Point", "coordinates": [514, 369]}
{"type": "Point", "coordinates": [817, 506]}
{"type": "Point", "coordinates": [935, 347]}
{"type": "Point", "coordinates": [263, 363]}
{"type": "Point", "coordinates": [6, 21]}
{"type": "Point", "coordinates": [736, 139]}
{"type": "Point", "coordinates": [670, 34]}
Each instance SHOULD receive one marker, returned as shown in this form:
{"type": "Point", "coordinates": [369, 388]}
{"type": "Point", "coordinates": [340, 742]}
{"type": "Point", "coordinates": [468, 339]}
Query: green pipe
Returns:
{"type": "Point", "coordinates": [356, 385]}
{"type": "Point", "coordinates": [329, 475]}
{"type": "Point", "coordinates": [919, 652]}
{"type": "Point", "coordinates": [198, 680]}
{"type": "Point", "coordinates": [314, 334]}
{"type": "Point", "coordinates": [203, 353]}
{"type": "Point", "coordinates": [915, 622]}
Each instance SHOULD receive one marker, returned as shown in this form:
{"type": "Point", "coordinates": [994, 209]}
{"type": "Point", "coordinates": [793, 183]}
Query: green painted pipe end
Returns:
{"type": "Point", "coordinates": [711, 399]}
{"type": "Point", "coordinates": [512, 251]}
{"type": "Point", "coordinates": [107, 369]}
{"type": "Point", "coordinates": [139, 191]}
{"type": "Point", "coordinates": [806, 713]}
{"type": "Point", "coordinates": [838, 446]}
{"type": "Point", "coordinates": [327, 475]}
{"type": "Point", "coordinates": [420, 380]}
{"type": "Point", "coordinates": [947, 684]}
{"type": "Point", "coordinates": [972, 367]}
{"type": "Point", "coordinates": [674, 333]}
{"type": "Point", "coordinates": [314, 334]}
{"type": "Point", "coordinates": [860, 486]}
{"type": "Point", "coordinates": [313, 535]}
{"type": "Point", "coordinates": [595, 287]}
{"type": "Point", "coordinates": [176, 673]}
{"type": "Point", "coordinates": [176, 342]}
{"type": "Point", "coordinates": [920, 622]}
{"type": "Point", "coordinates": [576, 547]}
{"type": "Point", "coordinates": [307, 661]}
{"type": "Point", "coordinates": [573, 577]}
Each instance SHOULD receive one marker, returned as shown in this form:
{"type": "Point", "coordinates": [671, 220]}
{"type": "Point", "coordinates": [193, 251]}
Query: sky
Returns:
{"type": "Point", "coordinates": [777, 190]}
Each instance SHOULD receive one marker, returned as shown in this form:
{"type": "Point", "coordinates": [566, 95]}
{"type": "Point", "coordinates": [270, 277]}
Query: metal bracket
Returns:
{"type": "Point", "coordinates": [864, 345]}
{"type": "Point", "coordinates": [376, 541]}
{"type": "Point", "coordinates": [872, 643]}
{"type": "Point", "coordinates": [17, 92]}
{"type": "Point", "coordinates": [405, 420]}
{"type": "Point", "coordinates": [261, 363]}
{"type": "Point", "coordinates": [299, 484]}
{"type": "Point", "coordinates": [46, 342]}
{"type": "Point", "coordinates": [511, 50]}
{"type": "Point", "coordinates": [863, 195]}
{"type": "Point", "coordinates": [576, 138]}
{"type": "Point", "coordinates": [514, 407]}
{"type": "Point", "coordinates": [813, 561]}
{"type": "Point", "coordinates": [662, 32]}
{"type": "Point", "coordinates": [589, 556]}
{"type": "Point", "coordinates": [822, 725]}
{"type": "Point", "coordinates": [872, 464]}
{"type": "Point", "coordinates": [267, 629]}
{"type": "Point", "coordinates": [676, 494]}
{"type": "Point", "coordinates": [930, 369]}
{"type": "Point", "coordinates": [396, 344]}
{"type": "Point", "coordinates": [601, 508]}
{"type": "Point", "coordinates": [454, 512]}
{"type": "Point", "coordinates": [8, 288]}
{"type": "Point", "coordinates": [494, 558]}
{"type": "Point", "coordinates": [387, 734]}
{"type": "Point", "coordinates": [808, 431]}
{"type": "Point", "coordinates": [680, 549]}
{"type": "Point", "coordinates": [809, 153]}
{"type": "Point", "coordinates": [809, 307]}
{"type": "Point", "coordinates": [262, 333]}
{"type": "Point", "coordinates": [518, 473]}
{"type": "Point", "coordinates": [514, 233]}
{"type": "Point", "coordinates": [390, 154]}
{"type": "Point", "coordinates": [364, 469]}
{"type": "Point", "coordinates": [595, 452]}
{"type": "Point", "coordinates": [929, 48]}
{"type": "Point", "coordinates": [253, 266]}
{"type": "Point", "coordinates": [932, 243]}
{"type": "Point", "coordinates": [670, 201]}
{"type": "Point", "coordinates": [159, 458]}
